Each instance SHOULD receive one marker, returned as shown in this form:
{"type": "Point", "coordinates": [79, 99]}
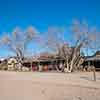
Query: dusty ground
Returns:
{"type": "Point", "coordinates": [48, 86]}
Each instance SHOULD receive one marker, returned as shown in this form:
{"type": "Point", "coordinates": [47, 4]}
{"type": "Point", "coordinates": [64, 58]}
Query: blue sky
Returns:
{"type": "Point", "coordinates": [45, 13]}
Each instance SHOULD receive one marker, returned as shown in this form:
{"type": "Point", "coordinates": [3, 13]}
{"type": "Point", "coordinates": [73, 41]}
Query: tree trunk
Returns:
{"type": "Point", "coordinates": [72, 63]}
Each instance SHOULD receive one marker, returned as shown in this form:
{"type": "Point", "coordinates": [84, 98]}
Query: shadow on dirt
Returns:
{"type": "Point", "coordinates": [86, 78]}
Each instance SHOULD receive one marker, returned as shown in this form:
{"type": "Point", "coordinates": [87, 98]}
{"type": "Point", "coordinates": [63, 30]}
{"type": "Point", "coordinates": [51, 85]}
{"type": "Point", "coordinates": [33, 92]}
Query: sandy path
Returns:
{"type": "Point", "coordinates": [48, 86]}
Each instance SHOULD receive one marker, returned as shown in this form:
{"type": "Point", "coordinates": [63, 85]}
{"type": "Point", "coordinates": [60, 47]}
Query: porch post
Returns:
{"type": "Point", "coordinates": [31, 66]}
{"type": "Point", "coordinates": [94, 74]}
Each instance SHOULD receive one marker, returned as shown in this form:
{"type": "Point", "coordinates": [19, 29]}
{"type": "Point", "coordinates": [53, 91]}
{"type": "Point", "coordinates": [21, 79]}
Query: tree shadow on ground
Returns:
{"type": "Point", "coordinates": [86, 78]}
{"type": "Point", "coordinates": [89, 78]}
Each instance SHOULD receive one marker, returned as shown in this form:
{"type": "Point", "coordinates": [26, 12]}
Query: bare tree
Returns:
{"type": "Point", "coordinates": [53, 39]}
{"type": "Point", "coordinates": [54, 42]}
{"type": "Point", "coordinates": [18, 41]}
{"type": "Point", "coordinates": [83, 36]}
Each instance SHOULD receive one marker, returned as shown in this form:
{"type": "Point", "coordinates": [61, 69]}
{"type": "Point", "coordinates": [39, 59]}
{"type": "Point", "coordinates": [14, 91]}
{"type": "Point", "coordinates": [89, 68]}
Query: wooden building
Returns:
{"type": "Point", "coordinates": [92, 61]}
{"type": "Point", "coordinates": [43, 63]}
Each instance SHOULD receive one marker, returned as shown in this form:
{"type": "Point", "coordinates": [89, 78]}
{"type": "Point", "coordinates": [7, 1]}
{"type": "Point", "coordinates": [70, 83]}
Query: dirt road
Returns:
{"type": "Point", "coordinates": [48, 86]}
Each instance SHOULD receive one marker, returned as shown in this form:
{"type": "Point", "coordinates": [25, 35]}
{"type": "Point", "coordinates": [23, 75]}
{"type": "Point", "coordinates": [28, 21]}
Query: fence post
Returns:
{"type": "Point", "coordinates": [94, 74]}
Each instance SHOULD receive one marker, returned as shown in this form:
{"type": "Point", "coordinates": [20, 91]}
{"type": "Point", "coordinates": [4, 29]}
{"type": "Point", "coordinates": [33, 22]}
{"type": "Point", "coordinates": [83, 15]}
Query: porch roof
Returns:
{"type": "Point", "coordinates": [93, 58]}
